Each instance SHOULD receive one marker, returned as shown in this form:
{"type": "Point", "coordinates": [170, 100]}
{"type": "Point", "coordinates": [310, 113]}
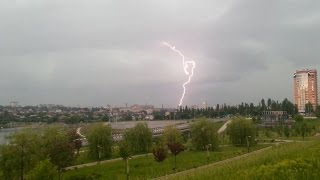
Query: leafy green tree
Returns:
{"type": "Point", "coordinates": [44, 170]}
{"type": "Point", "coordinates": [73, 120]}
{"type": "Point", "coordinates": [124, 152]}
{"type": "Point", "coordinates": [171, 135]}
{"type": "Point", "coordinates": [263, 105]}
{"type": "Point", "coordinates": [58, 148]}
{"type": "Point", "coordinates": [100, 142]}
{"type": "Point", "coordinates": [269, 102]}
{"type": "Point", "coordinates": [173, 139]}
{"type": "Point", "coordinates": [240, 131]}
{"type": "Point", "coordinates": [204, 133]}
{"type": "Point", "coordinates": [20, 155]}
{"type": "Point", "coordinates": [287, 131]}
{"type": "Point", "coordinates": [124, 149]}
{"type": "Point", "coordinates": [139, 138]}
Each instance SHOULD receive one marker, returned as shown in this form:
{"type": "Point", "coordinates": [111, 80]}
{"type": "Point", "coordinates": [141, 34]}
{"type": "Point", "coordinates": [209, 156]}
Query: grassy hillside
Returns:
{"type": "Point", "coordinates": [146, 167]}
{"type": "Point", "coordinates": [299, 160]}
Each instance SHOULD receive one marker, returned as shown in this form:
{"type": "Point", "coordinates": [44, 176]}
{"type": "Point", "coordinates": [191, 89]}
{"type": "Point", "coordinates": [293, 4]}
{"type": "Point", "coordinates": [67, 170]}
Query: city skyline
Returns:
{"type": "Point", "coordinates": [98, 53]}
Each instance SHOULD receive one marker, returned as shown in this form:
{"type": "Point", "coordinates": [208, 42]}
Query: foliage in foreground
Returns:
{"type": "Point", "coordinates": [44, 170]}
{"type": "Point", "coordinates": [100, 142]}
{"type": "Point", "coordinates": [203, 133]}
{"type": "Point", "coordinates": [139, 138]}
{"type": "Point", "coordinates": [28, 151]}
{"type": "Point", "coordinates": [241, 132]}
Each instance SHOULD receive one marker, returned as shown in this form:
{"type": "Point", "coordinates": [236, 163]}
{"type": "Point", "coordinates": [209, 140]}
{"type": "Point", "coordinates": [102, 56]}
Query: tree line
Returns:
{"type": "Point", "coordinates": [243, 109]}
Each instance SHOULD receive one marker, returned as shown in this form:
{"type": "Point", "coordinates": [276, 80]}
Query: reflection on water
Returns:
{"type": "Point", "coordinates": [6, 132]}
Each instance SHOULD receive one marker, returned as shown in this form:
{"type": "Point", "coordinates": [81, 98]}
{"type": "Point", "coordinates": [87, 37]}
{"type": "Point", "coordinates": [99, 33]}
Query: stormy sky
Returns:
{"type": "Point", "coordinates": [91, 53]}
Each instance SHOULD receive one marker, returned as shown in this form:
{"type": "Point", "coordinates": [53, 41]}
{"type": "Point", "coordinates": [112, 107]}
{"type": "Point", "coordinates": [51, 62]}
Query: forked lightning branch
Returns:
{"type": "Point", "coordinates": [186, 69]}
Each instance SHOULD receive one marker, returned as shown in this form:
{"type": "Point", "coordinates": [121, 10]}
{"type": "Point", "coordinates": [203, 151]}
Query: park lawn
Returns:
{"type": "Point", "coordinates": [83, 157]}
{"type": "Point", "coordinates": [298, 160]}
{"type": "Point", "coordinates": [145, 167]}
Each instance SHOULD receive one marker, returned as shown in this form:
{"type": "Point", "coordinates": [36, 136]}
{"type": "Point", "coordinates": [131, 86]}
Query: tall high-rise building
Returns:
{"type": "Point", "coordinates": [305, 89]}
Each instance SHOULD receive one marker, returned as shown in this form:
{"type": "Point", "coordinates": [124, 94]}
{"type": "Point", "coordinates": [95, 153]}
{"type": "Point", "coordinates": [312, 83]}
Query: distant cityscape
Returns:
{"type": "Point", "coordinates": [305, 102]}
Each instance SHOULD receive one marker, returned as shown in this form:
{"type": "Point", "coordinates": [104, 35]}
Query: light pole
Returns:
{"type": "Point", "coordinates": [99, 153]}
{"type": "Point", "coordinates": [248, 145]}
{"type": "Point", "coordinates": [207, 147]}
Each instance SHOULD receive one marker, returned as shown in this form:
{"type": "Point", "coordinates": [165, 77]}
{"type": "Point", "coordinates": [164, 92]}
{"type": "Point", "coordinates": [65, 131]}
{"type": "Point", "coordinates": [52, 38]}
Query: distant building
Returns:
{"type": "Point", "coordinates": [305, 89]}
{"type": "Point", "coordinates": [14, 104]}
{"type": "Point", "coordinates": [275, 118]}
{"type": "Point", "coordinates": [204, 105]}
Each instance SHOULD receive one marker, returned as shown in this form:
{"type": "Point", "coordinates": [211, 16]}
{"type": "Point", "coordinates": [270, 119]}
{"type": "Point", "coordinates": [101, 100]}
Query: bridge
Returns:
{"type": "Point", "coordinates": [156, 127]}
{"type": "Point", "coordinates": [157, 131]}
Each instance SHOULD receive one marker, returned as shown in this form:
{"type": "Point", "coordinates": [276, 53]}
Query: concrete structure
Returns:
{"type": "Point", "coordinates": [275, 118]}
{"type": "Point", "coordinates": [305, 89]}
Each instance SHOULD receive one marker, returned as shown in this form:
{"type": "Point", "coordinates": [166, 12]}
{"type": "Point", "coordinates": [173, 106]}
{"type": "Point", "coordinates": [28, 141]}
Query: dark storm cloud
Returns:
{"type": "Point", "coordinates": [109, 52]}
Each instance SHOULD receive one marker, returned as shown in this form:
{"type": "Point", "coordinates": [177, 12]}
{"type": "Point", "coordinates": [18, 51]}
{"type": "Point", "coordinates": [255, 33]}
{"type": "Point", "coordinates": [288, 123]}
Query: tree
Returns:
{"type": "Point", "coordinates": [263, 105]}
{"type": "Point", "coordinates": [124, 152]}
{"type": "Point", "coordinates": [73, 120]}
{"type": "Point", "coordinates": [318, 111]}
{"type": "Point", "coordinates": [173, 139]}
{"type": "Point", "coordinates": [58, 148]}
{"type": "Point", "coordinates": [303, 130]}
{"type": "Point", "coordinates": [124, 149]}
{"type": "Point", "coordinates": [204, 133]}
{"type": "Point", "coordinates": [241, 131]}
{"type": "Point", "coordinates": [287, 131]}
{"type": "Point", "coordinates": [309, 108]}
{"type": "Point", "coordinates": [139, 138]}
{"type": "Point", "coordinates": [100, 142]}
{"type": "Point", "coordinates": [160, 153]}
{"type": "Point", "coordinates": [175, 148]}
{"type": "Point", "coordinates": [20, 155]}
{"type": "Point", "coordinates": [269, 102]}
{"type": "Point", "coordinates": [44, 170]}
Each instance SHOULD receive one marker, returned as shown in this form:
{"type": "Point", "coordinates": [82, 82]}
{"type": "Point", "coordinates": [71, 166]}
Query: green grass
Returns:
{"type": "Point", "coordinates": [310, 122]}
{"type": "Point", "coordinates": [83, 157]}
{"type": "Point", "coordinates": [146, 167]}
{"type": "Point", "coordinates": [300, 160]}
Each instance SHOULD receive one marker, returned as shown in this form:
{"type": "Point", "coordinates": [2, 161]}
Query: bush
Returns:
{"type": "Point", "coordinates": [298, 118]}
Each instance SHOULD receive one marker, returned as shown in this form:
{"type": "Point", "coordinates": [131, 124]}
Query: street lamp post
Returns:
{"type": "Point", "coordinates": [248, 145]}
{"type": "Point", "coordinates": [207, 147]}
{"type": "Point", "coordinates": [99, 154]}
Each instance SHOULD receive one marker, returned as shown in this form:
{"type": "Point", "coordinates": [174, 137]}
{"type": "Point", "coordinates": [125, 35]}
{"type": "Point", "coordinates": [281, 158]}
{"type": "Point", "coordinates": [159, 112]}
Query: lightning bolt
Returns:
{"type": "Point", "coordinates": [185, 65]}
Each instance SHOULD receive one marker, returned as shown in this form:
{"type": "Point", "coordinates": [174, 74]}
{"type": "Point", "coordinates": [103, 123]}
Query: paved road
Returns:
{"type": "Point", "coordinates": [224, 127]}
{"type": "Point", "coordinates": [79, 133]}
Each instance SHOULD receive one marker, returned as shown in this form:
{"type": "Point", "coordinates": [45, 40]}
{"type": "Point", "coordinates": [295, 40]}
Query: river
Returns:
{"type": "Point", "coordinates": [5, 132]}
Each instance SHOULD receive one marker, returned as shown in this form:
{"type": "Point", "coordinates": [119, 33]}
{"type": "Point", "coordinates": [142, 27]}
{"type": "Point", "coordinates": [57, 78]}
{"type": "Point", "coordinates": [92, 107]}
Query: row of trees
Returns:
{"type": "Point", "coordinates": [138, 140]}
{"type": "Point", "coordinates": [223, 110]}
{"type": "Point", "coordinates": [38, 155]}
